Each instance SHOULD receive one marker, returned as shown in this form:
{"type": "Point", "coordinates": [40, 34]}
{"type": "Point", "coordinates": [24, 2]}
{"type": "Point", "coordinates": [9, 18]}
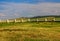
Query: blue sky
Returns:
{"type": "Point", "coordinates": [28, 8]}
{"type": "Point", "coordinates": [29, 1]}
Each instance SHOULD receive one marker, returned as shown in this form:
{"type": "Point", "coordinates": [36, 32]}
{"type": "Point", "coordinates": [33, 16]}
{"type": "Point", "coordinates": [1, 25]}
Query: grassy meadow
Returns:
{"type": "Point", "coordinates": [30, 31]}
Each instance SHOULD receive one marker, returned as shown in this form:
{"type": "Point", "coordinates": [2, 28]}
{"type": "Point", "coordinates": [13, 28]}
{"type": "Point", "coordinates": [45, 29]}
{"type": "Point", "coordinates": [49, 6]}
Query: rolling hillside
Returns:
{"type": "Point", "coordinates": [30, 31]}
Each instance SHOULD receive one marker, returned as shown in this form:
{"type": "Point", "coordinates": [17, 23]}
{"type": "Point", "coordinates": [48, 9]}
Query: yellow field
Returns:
{"type": "Point", "coordinates": [31, 31]}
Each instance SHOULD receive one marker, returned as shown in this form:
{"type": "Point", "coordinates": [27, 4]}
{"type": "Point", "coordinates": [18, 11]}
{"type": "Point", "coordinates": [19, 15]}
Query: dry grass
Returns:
{"type": "Point", "coordinates": [29, 32]}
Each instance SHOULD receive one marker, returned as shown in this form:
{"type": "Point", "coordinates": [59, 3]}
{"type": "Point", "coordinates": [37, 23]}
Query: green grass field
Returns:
{"type": "Point", "coordinates": [31, 31]}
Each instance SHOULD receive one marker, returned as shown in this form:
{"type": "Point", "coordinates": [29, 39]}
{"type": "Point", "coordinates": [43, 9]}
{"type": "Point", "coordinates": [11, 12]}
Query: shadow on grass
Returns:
{"type": "Point", "coordinates": [30, 39]}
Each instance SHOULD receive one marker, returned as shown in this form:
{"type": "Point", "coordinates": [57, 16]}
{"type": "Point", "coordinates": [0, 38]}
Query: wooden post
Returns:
{"type": "Point", "coordinates": [45, 19]}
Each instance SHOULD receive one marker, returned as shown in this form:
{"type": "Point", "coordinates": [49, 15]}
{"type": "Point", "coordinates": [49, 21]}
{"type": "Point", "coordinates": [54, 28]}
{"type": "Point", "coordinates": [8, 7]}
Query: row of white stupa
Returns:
{"type": "Point", "coordinates": [22, 20]}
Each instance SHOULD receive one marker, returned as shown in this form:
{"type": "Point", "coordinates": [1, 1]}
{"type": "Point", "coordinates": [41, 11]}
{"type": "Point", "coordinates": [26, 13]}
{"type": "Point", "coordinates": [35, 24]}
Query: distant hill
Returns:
{"type": "Point", "coordinates": [56, 16]}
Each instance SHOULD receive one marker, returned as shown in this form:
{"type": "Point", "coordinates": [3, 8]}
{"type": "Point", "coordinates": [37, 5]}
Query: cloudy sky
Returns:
{"type": "Point", "coordinates": [28, 8]}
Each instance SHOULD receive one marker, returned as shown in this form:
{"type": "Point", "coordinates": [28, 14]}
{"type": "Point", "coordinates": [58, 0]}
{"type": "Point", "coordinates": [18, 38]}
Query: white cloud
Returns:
{"type": "Point", "coordinates": [24, 9]}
